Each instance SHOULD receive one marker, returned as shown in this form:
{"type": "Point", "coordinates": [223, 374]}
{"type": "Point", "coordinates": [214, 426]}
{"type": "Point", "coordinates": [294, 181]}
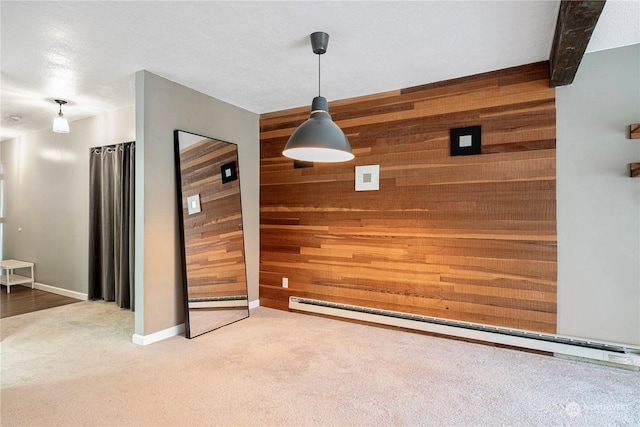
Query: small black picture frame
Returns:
{"type": "Point", "coordinates": [229, 172]}
{"type": "Point", "coordinates": [466, 141]}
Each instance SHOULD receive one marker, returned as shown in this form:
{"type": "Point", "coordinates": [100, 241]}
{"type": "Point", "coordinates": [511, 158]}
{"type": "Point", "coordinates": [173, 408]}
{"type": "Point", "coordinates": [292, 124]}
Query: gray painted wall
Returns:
{"type": "Point", "coordinates": [161, 107]}
{"type": "Point", "coordinates": [46, 183]}
{"type": "Point", "coordinates": [598, 203]}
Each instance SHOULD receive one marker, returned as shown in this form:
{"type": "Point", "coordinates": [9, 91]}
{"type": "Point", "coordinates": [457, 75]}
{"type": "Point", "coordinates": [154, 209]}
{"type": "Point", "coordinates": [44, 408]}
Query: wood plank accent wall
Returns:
{"type": "Point", "coordinates": [470, 238]}
{"type": "Point", "coordinates": [214, 244]}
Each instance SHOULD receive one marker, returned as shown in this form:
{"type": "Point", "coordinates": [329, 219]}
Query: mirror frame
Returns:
{"type": "Point", "coordinates": [181, 229]}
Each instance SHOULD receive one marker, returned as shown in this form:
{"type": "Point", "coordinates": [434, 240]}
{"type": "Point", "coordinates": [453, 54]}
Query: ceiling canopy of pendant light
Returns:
{"type": "Point", "coordinates": [319, 139]}
{"type": "Point", "coordinates": [60, 124]}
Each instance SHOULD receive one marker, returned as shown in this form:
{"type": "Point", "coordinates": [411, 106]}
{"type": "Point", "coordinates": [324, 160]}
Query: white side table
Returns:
{"type": "Point", "coordinates": [9, 278]}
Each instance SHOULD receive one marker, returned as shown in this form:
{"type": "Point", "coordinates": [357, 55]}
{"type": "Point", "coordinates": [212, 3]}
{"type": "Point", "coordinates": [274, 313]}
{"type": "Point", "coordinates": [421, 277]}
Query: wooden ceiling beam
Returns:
{"type": "Point", "coordinates": [576, 21]}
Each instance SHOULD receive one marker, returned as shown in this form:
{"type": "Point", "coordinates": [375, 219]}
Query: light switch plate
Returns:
{"type": "Point", "coordinates": [193, 204]}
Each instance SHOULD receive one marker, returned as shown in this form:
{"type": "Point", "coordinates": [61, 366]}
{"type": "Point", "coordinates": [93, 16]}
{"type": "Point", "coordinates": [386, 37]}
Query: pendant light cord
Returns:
{"type": "Point", "coordinates": [319, 74]}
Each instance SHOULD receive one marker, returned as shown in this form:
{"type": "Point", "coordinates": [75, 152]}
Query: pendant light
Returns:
{"type": "Point", "coordinates": [319, 139]}
{"type": "Point", "coordinates": [60, 124]}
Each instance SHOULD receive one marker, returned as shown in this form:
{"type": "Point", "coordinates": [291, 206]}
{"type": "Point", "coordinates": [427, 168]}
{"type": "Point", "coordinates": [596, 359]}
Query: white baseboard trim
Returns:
{"type": "Point", "coordinates": [158, 336]}
{"type": "Point", "coordinates": [172, 332]}
{"type": "Point", "coordinates": [60, 291]}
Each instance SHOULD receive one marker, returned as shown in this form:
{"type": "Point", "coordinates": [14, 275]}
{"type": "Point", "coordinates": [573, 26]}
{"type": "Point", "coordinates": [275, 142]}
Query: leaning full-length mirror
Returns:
{"type": "Point", "coordinates": [210, 222]}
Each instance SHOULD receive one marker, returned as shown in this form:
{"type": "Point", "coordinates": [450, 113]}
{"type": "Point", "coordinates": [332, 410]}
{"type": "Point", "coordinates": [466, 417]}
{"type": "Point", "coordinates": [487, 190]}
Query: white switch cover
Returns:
{"type": "Point", "coordinates": [285, 282]}
{"type": "Point", "coordinates": [193, 204]}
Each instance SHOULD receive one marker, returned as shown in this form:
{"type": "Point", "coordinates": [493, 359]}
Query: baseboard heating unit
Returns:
{"type": "Point", "coordinates": [609, 353]}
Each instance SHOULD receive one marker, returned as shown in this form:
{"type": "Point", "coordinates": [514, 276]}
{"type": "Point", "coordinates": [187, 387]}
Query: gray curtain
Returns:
{"type": "Point", "coordinates": [111, 222]}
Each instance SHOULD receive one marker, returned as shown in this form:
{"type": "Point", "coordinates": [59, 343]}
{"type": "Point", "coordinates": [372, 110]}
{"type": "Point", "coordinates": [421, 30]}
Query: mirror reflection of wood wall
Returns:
{"type": "Point", "coordinates": [213, 235]}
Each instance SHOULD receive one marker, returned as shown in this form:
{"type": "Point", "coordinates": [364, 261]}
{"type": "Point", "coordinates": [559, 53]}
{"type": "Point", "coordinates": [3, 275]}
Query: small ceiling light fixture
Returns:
{"type": "Point", "coordinates": [319, 139]}
{"type": "Point", "coordinates": [60, 124]}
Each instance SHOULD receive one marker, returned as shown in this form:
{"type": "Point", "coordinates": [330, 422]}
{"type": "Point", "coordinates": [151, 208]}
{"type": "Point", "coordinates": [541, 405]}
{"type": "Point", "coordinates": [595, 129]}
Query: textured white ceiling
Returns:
{"type": "Point", "coordinates": [257, 55]}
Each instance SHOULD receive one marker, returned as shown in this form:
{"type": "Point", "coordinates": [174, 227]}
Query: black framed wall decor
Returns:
{"type": "Point", "coordinates": [466, 141]}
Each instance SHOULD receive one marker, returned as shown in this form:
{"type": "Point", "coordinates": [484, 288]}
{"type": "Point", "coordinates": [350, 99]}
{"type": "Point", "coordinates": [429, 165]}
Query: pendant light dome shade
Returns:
{"type": "Point", "coordinates": [60, 124]}
{"type": "Point", "coordinates": [319, 139]}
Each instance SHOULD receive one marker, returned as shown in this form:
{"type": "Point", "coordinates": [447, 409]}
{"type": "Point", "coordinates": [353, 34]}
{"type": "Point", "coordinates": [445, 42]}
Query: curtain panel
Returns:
{"type": "Point", "coordinates": [111, 224]}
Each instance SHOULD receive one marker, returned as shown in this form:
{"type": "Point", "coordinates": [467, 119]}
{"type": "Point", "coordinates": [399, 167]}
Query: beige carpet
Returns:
{"type": "Point", "coordinates": [76, 365]}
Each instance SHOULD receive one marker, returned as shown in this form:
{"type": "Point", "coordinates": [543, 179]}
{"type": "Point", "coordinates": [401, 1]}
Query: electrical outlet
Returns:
{"type": "Point", "coordinates": [285, 282]}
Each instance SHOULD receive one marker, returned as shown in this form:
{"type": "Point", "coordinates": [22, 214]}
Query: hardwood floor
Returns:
{"type": "Point", "coordinates": [25, 300]}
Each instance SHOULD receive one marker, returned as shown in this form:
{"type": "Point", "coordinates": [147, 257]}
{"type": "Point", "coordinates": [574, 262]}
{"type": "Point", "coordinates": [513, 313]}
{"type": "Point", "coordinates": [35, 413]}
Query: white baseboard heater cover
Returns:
{"type": "Point", "coordinates": [616, 354]}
